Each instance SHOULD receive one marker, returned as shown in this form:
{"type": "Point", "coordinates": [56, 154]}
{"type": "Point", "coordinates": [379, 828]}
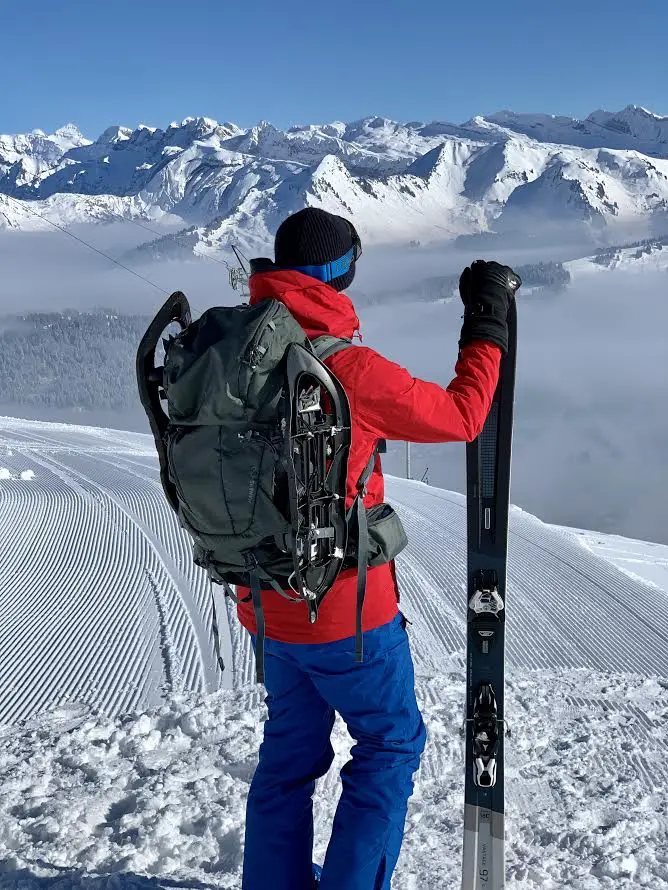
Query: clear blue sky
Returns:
{"type": "Point", "coordinates": [290, 61]}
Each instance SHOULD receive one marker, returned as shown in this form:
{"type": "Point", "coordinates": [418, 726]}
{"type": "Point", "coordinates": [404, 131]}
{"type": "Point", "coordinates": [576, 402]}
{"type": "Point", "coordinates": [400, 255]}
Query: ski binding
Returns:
{"type": "Point", "coordinates": [486, 602]}
{"type": "Point", "coordinates": [485, 737]}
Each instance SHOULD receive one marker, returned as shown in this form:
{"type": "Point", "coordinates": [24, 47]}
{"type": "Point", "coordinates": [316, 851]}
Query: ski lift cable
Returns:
{"type": "Point", "coordinates": [175, 235]}
{"type": "Point", "coordinates": [110, 258]}
{"type": "Point", "coordinates": [90, 246]}
{"type": "Point", "coordinates": [234, 277]}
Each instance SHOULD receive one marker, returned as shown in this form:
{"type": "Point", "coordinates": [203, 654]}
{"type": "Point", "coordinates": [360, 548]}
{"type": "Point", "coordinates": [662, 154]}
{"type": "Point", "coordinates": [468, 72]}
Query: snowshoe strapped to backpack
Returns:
{"type": "Point", "coordinates": [254, 451]}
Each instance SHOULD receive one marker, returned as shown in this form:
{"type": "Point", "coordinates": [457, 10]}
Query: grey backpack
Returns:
{"type": "Point", "coordinates": [253, 450]}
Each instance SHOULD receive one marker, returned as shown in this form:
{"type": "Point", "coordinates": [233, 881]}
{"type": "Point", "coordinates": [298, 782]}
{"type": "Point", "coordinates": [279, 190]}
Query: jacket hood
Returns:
{"type": "Point", "coordinates": [317, 307]}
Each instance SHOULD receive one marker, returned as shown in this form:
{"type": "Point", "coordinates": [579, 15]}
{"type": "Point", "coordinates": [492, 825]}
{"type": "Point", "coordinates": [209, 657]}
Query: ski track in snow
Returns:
{"type": "Point", "coordinates": [124, 765]}
{"type": "Point", "coordinates": [102, 540]}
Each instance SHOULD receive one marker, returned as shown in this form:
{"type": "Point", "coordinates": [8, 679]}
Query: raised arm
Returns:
{"type": "Point", "coordinates": [395, 405]}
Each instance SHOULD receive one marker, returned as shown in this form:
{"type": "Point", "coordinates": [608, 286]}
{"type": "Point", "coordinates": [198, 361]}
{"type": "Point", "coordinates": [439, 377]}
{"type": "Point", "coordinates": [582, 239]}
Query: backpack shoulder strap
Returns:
{"type": "Point", "coordinates": [325, 346]}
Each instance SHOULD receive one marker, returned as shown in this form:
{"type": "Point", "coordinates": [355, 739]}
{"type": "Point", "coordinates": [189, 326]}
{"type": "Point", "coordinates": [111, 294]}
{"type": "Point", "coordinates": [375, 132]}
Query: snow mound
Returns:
{"type": "Point", "coordinates": [160, 796]}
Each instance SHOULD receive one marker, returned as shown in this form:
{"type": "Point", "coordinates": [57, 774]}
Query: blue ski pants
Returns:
{"type": "Point", "coordinates": [306, 684]}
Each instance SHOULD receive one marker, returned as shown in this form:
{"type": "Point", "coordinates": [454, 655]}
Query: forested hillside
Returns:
{"type": "Point", "coordinates": [70, 359]}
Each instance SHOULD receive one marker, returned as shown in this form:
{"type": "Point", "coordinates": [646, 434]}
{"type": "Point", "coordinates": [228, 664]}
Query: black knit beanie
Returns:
{"type": "Point", "coordinates": [313, 237]}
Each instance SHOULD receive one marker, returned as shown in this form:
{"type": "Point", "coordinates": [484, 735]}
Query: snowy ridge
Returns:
{"type": "Point", "coordinates": [650, 255]}
{"type": "Point", "coordinates": [102, 613]}
{"type": "Point", "coordinates": [25, 157]}
{"type": "Point", "coordinates": [633, 127]}
{"type": "Point", "coordinates": [640, 560]}
{"type": "Point", "coordinates": [401, 182]}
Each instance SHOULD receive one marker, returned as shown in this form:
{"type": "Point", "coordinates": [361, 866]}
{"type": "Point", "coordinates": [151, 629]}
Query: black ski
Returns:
{"type": "Point", "coordinates": [488, 491]}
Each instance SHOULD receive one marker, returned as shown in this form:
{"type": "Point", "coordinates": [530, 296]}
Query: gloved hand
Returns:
{"type": "Point", "coordinates": [486, 290]}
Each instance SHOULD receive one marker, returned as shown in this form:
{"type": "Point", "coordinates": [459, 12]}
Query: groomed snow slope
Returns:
{"type": "Point", "coordinates": [101, 613]}
{"type": "Point", "coordinates": [99, 599]}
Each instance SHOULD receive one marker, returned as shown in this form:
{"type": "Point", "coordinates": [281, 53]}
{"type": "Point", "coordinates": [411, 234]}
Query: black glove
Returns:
{"type": "Point", "coordinates": [486, 290]}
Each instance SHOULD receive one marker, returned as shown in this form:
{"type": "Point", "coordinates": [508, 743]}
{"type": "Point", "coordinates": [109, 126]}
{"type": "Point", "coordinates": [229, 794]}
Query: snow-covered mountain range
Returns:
{"type": "Point", "coordinates": [123, 762]}
{"type": "Point", "coordinates": [401, 183]}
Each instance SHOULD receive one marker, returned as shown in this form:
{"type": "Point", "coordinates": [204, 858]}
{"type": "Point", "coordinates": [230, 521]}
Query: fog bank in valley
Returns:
{"type": "Point", "coordinates": [591, 432]}
{"type": "Point", "coordinates": [591, 429]}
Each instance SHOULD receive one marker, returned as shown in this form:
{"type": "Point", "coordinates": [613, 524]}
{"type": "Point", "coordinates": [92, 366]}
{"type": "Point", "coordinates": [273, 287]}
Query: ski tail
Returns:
{"type": "Point", "coordinates": [484, 860]}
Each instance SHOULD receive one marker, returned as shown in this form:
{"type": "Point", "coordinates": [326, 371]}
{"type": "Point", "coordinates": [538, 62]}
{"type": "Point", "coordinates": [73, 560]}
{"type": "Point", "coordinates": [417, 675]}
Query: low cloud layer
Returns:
{"type": "Point", "coordinates": [53, 271]}
{"type": "Point", "coordinates": [591, 426]}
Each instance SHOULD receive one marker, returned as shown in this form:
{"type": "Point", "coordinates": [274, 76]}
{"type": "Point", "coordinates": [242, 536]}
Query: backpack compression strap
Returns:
{"type": "Point", "coordinates": [256, 595]}
{"type": "Point", "coordinates": [358, 511]}
{"type": "Point", "coordinates": [257, 576]}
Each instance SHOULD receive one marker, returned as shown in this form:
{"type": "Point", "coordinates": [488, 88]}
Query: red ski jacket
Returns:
{"type": "Point", "coordinates": [386, 403]}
